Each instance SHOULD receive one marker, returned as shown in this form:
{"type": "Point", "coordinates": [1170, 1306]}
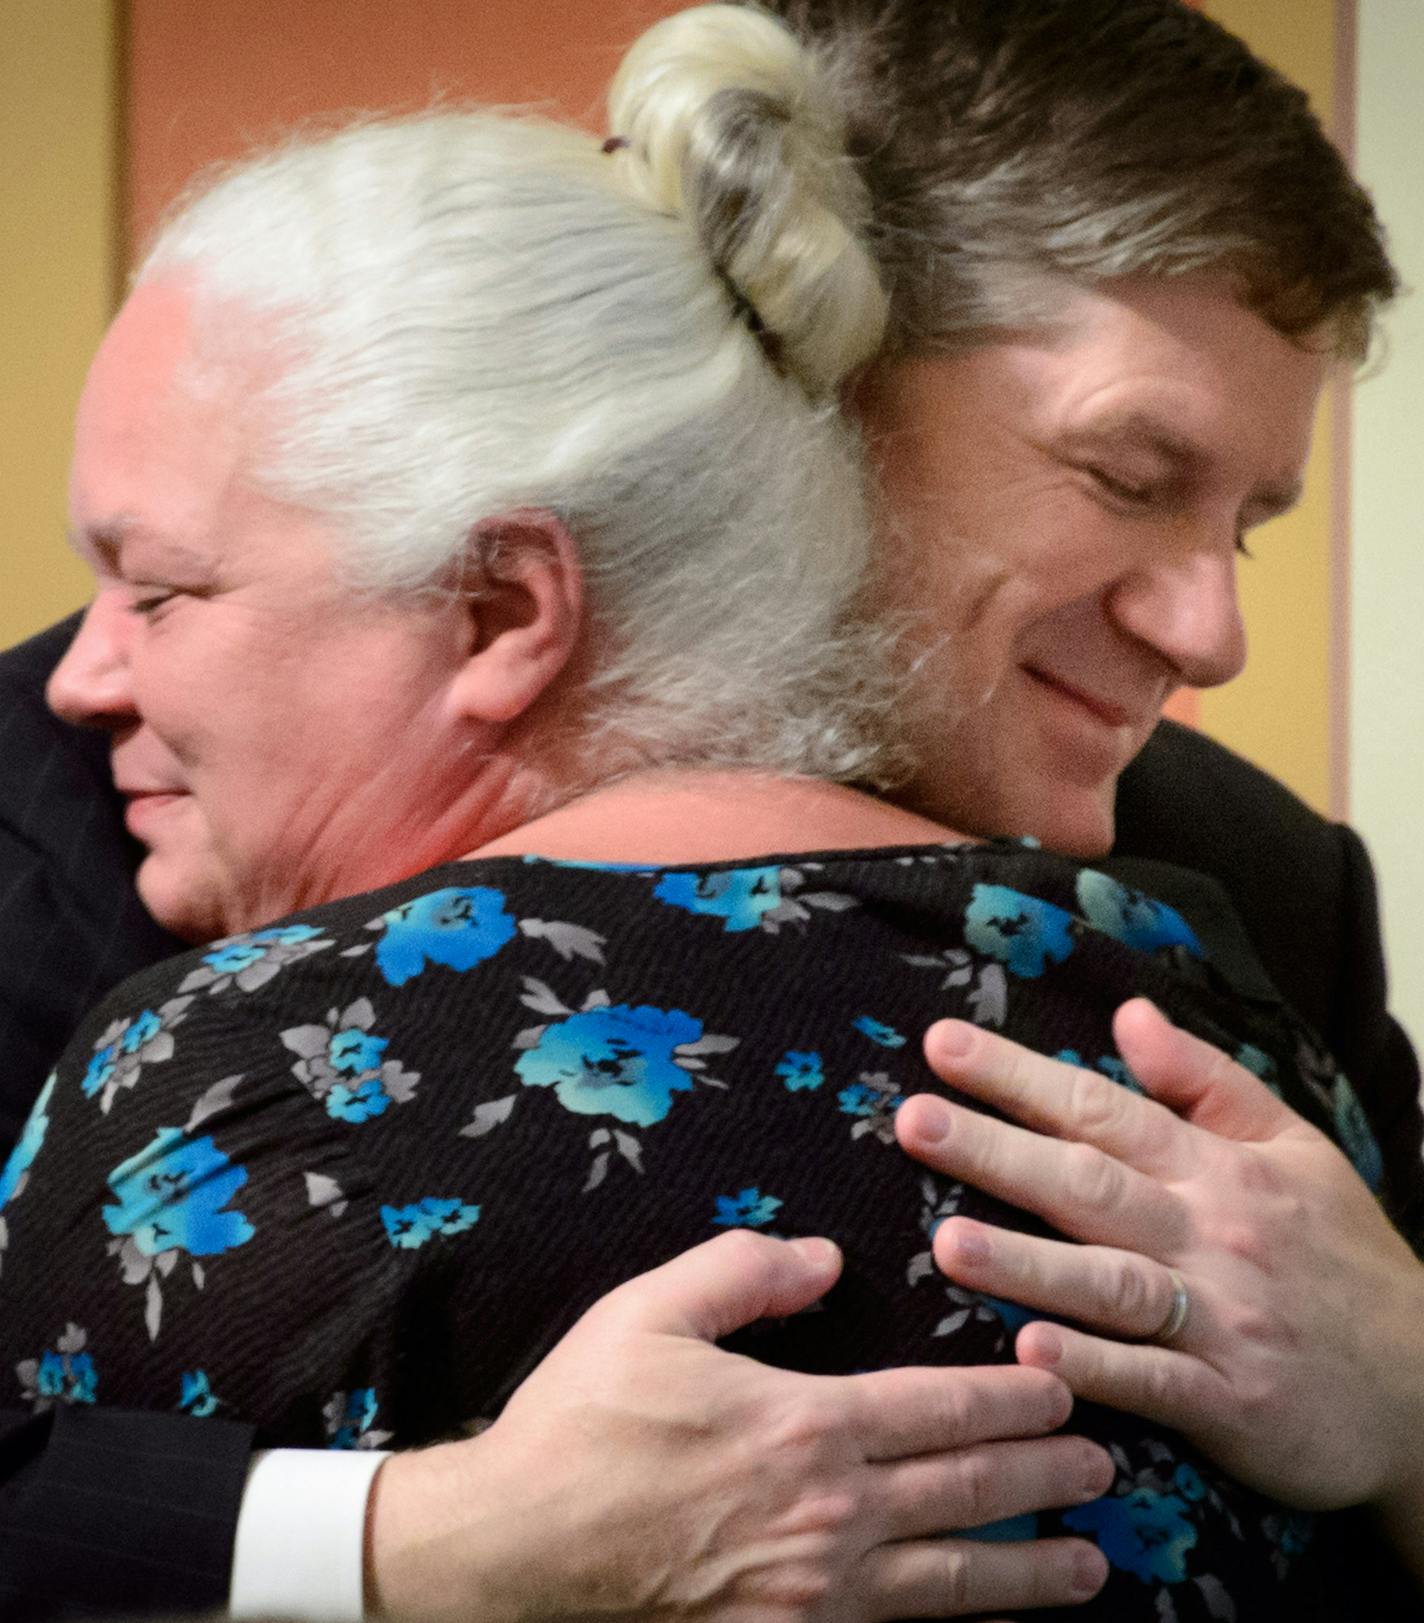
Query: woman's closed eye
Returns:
{"type": "Point", "coordinates": [149, 599]}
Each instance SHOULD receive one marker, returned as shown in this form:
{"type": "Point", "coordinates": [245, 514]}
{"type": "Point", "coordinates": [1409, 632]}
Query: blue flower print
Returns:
{"type": "Point", "coordinates": [171, 1198]}
{"type": "Point", "coordinates": [800, 1070]}
{"type": "Point", "coordinates": [1142, 1532]}
{"type": "Point", "coordinates": [343, 1064]}
{"type": "Point", "coordinates": [1289, 1534]}
{"type": "Point", "coordinates": [748, 1210]}
{"type": "Point", "coordinates": [1023, 932]}
{"type": "Point", "coordinates": [69, 1379]}
{"type": "Point", "coordinates": [858, 1100]}
{"type": "Point", "coordinates": [740, 897]}
{"type": "Point", "coordinates": [873, 1100]}
{"type": "Point", "coordinates": [614, 1061]}
{"type": "Point", "coordinates": [196, 1396]}
{"type": "Point", "coordinates": [457, 928]}
{"type": "Point", "coordinates": [885, 1036]}
{"type": "Point", "coordinates": [100, 1069]}
{"type": "Point", "coordinates": [362, 1103]}
{"type": "Point", "coordinates": [251, 960]}
{"type": "Point", "coordinates": [64, 1373]}
{"type": "Point", "coordinates": [31, 1140]}
{"type": "Point", "coordinates": [145, 1027]}
{"type": "Point", "coordinates": [1356, 1137]}
{"type": "Point", "coordinates": [1137, 920]}
{"type": "Point", "coordinates": [354, 1051]}
{"type": "Point", "coordinates": [408, 1227]}
{"type": "Point", "coordinates": [349, 1419]}
{"type": "Point", "coordinates": [234, 956]}
{"type": "Point", "coordinates": [751, 898]}
{"type": "Point", "coordinates": [126, 1046]}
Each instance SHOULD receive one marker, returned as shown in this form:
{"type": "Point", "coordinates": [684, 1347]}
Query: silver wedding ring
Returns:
{"type": "Point", "coordinates": [1177, 1313]}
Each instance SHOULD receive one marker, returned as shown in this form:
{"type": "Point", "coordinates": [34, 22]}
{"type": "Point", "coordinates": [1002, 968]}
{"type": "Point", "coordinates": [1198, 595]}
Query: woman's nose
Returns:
{"type": "Point", "coordinates": [90, 686]}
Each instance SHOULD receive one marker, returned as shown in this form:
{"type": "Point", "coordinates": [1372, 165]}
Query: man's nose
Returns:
{"type": "Point", "coordinates": [90, 686]}
{"type": "Point", "coordinates": [1186, 609]}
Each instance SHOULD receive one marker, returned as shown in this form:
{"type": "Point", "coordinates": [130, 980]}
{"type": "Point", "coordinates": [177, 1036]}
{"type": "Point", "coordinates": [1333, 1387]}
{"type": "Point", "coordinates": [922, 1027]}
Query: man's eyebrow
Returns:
{"type": "Point", "coordinates": [1146, 433]}
{"type": "Point", "coordinates": [1141, 432]}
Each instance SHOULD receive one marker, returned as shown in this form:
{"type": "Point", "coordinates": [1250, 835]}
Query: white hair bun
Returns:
{"type": "Point", "coordinates": [729, 124]}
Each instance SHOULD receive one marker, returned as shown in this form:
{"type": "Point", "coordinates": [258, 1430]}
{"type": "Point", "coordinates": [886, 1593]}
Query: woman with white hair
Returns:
{"type": "Point", "coordinates": [482, 564]}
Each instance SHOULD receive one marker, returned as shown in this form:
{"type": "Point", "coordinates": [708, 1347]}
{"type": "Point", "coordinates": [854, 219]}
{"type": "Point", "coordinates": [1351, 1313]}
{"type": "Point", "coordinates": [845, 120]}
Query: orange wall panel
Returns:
{"type": "Point", "coordinates": [209, 81]}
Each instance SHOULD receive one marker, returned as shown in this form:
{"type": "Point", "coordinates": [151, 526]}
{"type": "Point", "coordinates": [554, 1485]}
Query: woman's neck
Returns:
{"type": "Point", "coordinates": [690, 815]}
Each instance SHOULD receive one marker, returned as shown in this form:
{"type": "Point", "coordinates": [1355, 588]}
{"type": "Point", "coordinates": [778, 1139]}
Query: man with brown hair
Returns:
{"type": "Point", "coordinates": [1037, 168]}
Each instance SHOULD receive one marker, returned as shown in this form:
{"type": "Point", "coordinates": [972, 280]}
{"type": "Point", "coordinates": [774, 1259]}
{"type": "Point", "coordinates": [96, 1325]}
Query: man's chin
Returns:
{"type": "Point", "coordinates": [1069, 819]}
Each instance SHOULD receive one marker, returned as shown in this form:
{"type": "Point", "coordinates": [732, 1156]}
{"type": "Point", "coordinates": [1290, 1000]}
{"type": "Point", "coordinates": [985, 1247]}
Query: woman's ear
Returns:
{"type": "Point", "coordinates": [524, 601]}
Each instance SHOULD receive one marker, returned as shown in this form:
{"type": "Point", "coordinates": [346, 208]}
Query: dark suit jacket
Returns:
{"type": "Point", "coordinates": [110, 1511]}
{"type": "Point", "coordinates": [99, 1511]}
{"type": "Point", "coordinates": [70, 923]}
{"type": "Point", "coordinates": [1305, 892]}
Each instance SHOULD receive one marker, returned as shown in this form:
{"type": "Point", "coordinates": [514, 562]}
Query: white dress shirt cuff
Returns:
{"type": "Point", "coordinates": [300, 1546]}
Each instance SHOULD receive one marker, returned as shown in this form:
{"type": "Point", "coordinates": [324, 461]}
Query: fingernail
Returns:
{"type": "Point", "coordinates": [954, 1039]}
{"type": "Point", "coordinates": [971, 1244]}
{"type": "Point", "coordinates": [1097, 1475]}
{"type": "Point", "coordinates": [1147, 1003]}
{"type": "Point", "coordinates": [933, 1119]}
{"type": "Point", "coordinates": [1047, 1344]}
{"type": "Point", "coordinates": [817, 1251]}
{"type": "Point", "coordinates": [1090, 1571]}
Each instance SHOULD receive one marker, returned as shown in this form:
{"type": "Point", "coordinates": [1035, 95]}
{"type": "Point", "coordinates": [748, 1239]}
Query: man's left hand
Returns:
{"type": "Point", "coordinates": [1299, 1366]}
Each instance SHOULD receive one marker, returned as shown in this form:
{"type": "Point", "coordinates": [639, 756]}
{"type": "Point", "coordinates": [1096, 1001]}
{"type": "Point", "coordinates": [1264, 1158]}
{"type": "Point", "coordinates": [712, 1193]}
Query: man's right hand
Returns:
{"type": "Point", "coordinates": [642, 1472]}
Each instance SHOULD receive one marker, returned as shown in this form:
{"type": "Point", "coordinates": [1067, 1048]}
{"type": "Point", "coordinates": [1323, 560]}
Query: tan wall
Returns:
{"type": "Point", "coordinates": [58, 88]}
{"type": "Point", "coordinates": [210, 80]}
{"type": "Point", "coordinates": [1279, 713]}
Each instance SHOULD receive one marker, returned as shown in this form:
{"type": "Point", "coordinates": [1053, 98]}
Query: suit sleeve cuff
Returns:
{"type": "Point", "coordinates": [300, 1547]}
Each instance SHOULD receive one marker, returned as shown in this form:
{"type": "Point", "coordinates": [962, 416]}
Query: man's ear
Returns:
{"type": "Point", "coordinates": [524, 601]}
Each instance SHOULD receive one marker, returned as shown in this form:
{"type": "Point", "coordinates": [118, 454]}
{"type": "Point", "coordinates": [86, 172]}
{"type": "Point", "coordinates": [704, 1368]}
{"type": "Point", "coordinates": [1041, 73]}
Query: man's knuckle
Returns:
{"type": "Point", "coordinates": [803, 1427]}
{"type": "Point", "coordinates": [820, 1519]}
{"type": "Point", "coordinates": [1092, 1108]}
{"type": "Point", "coordinates": [956, 1580]}
{"type": "Point", "coordinates": [1257, 1174]}
{"type": "Point", "coordinates": [1162, 1384]}
{"type": "Point", "coordinates": [1129, 1299]}
{"type": "Point", "coordinates": [1093, 1179]}
{"type": "Point", "coordinates": [975, 1489]}
{"type": "Point", "coordinates": [798, 1589]}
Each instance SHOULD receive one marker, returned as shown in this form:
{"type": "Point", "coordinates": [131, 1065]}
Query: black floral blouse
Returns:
{"type": "Point", "coordinates": [349, 1177]}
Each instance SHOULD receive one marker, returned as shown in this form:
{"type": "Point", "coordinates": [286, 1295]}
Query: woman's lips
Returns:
{"type": "Point", "coordinates": [146, 806]}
